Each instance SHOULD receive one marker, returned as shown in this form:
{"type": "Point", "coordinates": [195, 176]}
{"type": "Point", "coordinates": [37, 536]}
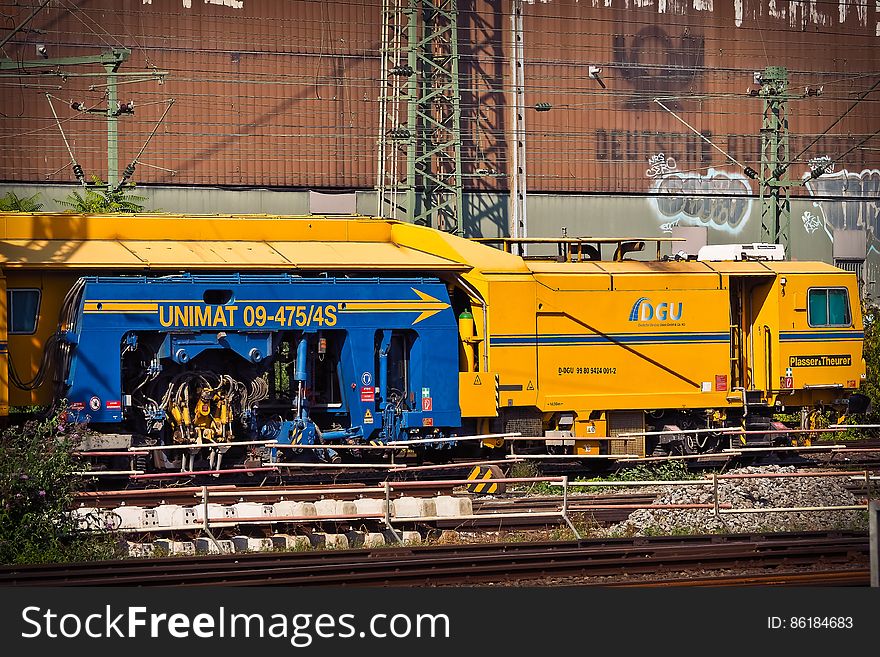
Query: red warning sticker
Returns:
{"type": "Point", "coordinates": [113, 404]}
{"type": "Point", "coordinates": [368, 394]}
{"type": "Point", "coordinates": [427, 422]}
{"type": "Point", "coordinates": [427, 404]}
{"type": "Point", "coordinates": [721, 382]}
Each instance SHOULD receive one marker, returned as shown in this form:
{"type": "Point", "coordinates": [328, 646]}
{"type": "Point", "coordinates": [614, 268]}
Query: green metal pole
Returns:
{"type": "Point", "coordinates": [111, 60]}
{"type": "Point", "coordinates": [775, 183]}
{"type": "Point", "coordinates": [112, 127]}
{"type": "Point", "coordinates": [412, 100]}
{"type": "Point", "coordinates": [458, 188]}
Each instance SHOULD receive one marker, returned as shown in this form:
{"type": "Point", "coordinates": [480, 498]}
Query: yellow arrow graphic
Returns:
{"type": "Point", "coordinates": [426, 306]}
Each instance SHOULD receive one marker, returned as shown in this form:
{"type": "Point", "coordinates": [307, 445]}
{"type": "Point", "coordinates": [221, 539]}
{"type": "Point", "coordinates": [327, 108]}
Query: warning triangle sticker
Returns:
{"type": "Point", "coordinates": [530, 386]}
{"type": "Point", "coordinates": [477, 381]}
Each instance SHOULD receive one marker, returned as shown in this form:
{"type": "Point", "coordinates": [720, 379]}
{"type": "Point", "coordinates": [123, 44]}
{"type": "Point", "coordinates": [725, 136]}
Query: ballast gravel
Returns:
{"type": "Point", "coordinates": [753, 493]}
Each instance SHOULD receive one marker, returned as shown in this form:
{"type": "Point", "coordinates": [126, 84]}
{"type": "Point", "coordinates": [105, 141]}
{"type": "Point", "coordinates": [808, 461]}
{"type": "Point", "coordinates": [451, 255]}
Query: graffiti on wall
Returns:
{"type": "Point", "coordinates": [812, 223]}
{"type": "Point", "coordinates": [848, 200]}
{"type": "Point", "coordinates": [718, 199]}
{"type": "Point", "coordinates": [859, 207]}
{"type": "Point", "coordinates": [660, 165]}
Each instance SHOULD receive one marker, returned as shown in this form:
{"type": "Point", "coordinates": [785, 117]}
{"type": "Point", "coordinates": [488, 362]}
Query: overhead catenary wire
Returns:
{"type": "Point", "coordinates": [129, 170]}
{"type": "Point", "coordinates": [742, 30]}
{"type": "Point", "coordinates": [77, 169]}
{"type": "Point", "coordinates": [21, 25]}
{"type": "Point", "coordinates": [839, 157]}
{"type": "Point", "coordinates": [701, 135]}
{"type": "Point", "coordinates": [840, 117]}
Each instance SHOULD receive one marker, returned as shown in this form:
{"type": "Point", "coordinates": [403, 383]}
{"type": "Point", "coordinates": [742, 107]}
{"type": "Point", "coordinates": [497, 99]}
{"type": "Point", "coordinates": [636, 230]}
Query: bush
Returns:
{"type": "Point", "coordinates": [871, 385]}
{"type": "Point", "coordinates": [663, 471]}
{"type": "Point", "coordinates": [12, 202]}
{"type": "Point", "coordinates": [37, 486]}
{"type": "Point", "coordinates": [99, 198]}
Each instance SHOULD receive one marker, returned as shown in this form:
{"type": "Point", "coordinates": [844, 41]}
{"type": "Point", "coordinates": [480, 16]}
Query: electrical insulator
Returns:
{"type": "Point", "coordinates": [128, 173]}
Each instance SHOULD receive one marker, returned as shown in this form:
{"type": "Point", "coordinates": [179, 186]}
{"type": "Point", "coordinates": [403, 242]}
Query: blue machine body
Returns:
{"type": "Point", "coordinates": [381, 331]}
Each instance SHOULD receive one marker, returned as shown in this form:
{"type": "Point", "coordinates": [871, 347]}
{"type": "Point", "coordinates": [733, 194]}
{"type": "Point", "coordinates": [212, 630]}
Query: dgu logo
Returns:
{"type": "Point", "coordinates": [644, 311]}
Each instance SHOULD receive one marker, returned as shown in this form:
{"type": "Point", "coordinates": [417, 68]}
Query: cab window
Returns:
{"type": "Point", "coordinates": [23, 307]}
{"type": "Point", "coordinates": [829, 307]}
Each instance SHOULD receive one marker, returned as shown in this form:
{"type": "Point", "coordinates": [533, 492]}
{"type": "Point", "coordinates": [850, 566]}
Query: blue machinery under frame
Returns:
{"type": "Point", "coordinates": [393, 342]}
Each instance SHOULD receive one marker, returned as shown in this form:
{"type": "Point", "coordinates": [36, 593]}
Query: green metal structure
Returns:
{"type": "Point", "coordinates": [111, 60]}
{"type": "Point", "coordinates": [420, 171]}
{"type": "Point", "coordinates": [775, 184]}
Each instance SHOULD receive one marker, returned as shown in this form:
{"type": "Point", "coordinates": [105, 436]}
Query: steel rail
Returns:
{"type": "Point", "coordinates": [855, 577]}
{"type": "Point", "coordinates": [472, 569]}
{"type": "Point", "coordinates": [460, 563]}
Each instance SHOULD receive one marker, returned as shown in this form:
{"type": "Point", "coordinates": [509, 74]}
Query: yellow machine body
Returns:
{"type": "Point", "coordinates": [584, 349]}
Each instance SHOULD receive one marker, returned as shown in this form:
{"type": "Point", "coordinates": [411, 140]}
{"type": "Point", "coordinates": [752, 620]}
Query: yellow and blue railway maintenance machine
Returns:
{"type": "Point", "coordinates": [190, 330]}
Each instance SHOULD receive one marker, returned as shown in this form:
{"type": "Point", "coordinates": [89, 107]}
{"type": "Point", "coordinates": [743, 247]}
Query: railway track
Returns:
{"type": "Point", "coordinates": [511, 511]}
{"type": "Point", "coordinates": [855, 577]}
{"type": "Point", "coordinates": [625, 503]}
{"type": "Point", "coordinates": [103, 491]}
{"type": "Point", "coordinates": [616, 508]}
{"type": "Point", "coordinates": [188, 495]}
{"type": "Point", "coordinates": [461, 564]}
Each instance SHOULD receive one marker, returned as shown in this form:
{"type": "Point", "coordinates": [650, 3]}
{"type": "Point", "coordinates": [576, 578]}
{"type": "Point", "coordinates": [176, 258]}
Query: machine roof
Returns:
{"type": "Point", "coordinates": [140, 254]}
{"type": "Point", "coordinates": [312, 242]}
{"type": "Point", "coordinates": [216, 242]}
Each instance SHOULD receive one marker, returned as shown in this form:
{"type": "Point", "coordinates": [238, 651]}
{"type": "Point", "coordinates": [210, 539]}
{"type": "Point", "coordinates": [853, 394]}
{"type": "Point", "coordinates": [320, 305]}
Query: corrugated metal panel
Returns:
{"type": "Point", "coordinates": [285, 94]}
{"type": "Point", "coordinates": [699, 63]}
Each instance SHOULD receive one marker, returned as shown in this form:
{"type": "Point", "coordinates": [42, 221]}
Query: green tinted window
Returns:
{"type": "Point", "coordinates": [829, 307]}
{"type": "Point", "coordinates": [818, 307]}
{"type": "Point", "coordinates": [838, 310]}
